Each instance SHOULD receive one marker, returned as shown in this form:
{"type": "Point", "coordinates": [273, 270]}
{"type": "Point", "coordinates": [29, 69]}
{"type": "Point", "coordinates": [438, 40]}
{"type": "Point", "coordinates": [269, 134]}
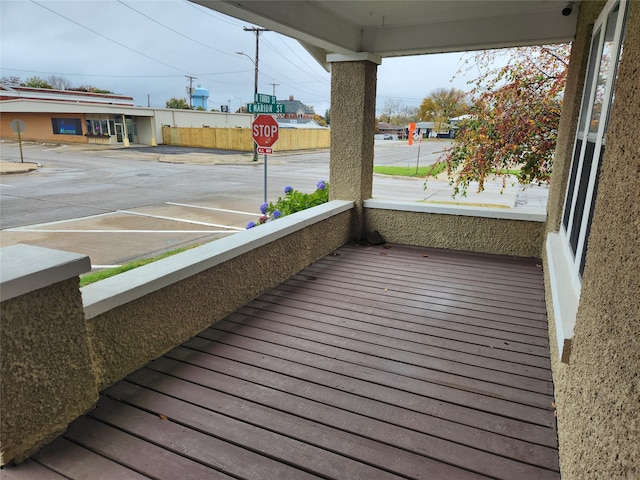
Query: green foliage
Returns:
{"type": "Point", "coordinates": [89, 89]}
{"type": "Point", "coordinates": [427, 171]}
{"type": "Point", "coordinates": [178, 103]}
{"type": "Point", "coordinates": [293, 201]}
{"type": "Point", "coordinates": [514, 118]}
{"type": "Point", "coordinates": [37, 82]}
{"type": "Point", "coordinates": [110, 272]}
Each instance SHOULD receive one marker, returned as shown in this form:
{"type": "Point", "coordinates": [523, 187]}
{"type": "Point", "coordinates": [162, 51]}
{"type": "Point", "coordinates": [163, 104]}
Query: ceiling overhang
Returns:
{"type": "Point", "coordinates": [407, 27]}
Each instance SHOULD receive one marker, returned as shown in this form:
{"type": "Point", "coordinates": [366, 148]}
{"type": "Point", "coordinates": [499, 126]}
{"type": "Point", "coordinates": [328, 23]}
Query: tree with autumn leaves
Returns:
{"type": "Point", "coordinates": [442, 105]}
{"type": "Point", "coordinates": [514, 117]}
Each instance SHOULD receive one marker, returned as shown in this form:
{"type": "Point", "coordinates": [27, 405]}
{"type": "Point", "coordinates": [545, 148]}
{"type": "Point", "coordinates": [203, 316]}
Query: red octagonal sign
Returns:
{"type": "Point", "coordinates": [264, 130]}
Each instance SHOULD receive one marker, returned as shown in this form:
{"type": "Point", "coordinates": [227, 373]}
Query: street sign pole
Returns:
{"type": "Point", "coordinates": [265, 178]}
{"type": "Point", "coordinates": [265, 132]}
{"type": "Point", "coordinates": [18, 127]}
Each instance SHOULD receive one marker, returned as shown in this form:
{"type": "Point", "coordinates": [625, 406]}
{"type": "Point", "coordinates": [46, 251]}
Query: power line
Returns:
{"type": "Point", "coordinates": [107, 38]}
{"type": "Point", "coordinates": [173, 30]}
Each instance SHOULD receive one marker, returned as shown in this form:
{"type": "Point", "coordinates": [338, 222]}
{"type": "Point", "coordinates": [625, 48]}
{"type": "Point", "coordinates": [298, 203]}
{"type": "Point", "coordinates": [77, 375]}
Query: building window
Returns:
{"type": "Point", "coordinates": [66, 126]}
{"type": "Point", "coordinates": [567, 250]}
{"type": "Point", "coordinates": [606, 51]}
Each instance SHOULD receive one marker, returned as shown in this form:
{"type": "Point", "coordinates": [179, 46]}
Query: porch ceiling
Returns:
{"type": "Point", "coordinates": [407, 27]}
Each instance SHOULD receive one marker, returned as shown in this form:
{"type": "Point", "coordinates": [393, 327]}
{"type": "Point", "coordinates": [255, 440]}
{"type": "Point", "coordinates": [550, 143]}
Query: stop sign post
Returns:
{"type": "Point", "coordinates": [264, 131]}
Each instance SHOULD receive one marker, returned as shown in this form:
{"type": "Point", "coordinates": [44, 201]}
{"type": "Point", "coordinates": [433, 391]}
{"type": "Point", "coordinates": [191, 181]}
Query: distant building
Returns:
{"type": "Point", "coordinates": [68, 116]}
{"type": "Point", "coordinates": [296, 115]}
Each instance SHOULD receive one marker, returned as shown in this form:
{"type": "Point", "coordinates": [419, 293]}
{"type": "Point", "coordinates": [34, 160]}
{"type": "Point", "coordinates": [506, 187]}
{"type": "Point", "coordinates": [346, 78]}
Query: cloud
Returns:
{"type": "Point", "coordinates": [146, 49]}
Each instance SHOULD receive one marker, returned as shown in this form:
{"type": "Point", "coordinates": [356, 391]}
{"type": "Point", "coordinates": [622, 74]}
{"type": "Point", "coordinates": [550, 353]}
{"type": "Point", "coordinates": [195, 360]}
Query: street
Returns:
{"type": "Point", "coordinates": [116, 205]}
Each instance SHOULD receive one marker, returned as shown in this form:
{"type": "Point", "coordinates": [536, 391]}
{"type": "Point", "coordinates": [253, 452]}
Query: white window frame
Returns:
{"type": "Point", "coordinates": [564, 263]}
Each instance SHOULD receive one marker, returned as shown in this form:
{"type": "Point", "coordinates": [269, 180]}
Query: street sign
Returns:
{"type": "Point", "coordinates": [264, 130]}
{"type": "Point", "coordinates": [264, 98]}
{"type": "Point", "coordinates": [265, 150]}
{"type": "Point", "coordinates": [17, 126]}
{"type": "Point", "coordinates": [265, 107]}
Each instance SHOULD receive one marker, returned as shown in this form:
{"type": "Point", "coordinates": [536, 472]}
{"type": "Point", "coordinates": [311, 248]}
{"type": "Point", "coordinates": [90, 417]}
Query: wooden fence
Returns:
{"type": "Point", "coordinates": [240, 138]}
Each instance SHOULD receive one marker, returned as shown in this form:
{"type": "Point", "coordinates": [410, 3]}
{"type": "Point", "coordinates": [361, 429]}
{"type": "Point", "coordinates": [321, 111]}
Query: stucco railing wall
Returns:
{"type": "Point", "coordinates": [61, 344]}
{"type": "Point", "coordinates": [240, 138]}
{"type": "Point", "coordinates": [139, 315]}
{"type": "Point", "coordinates": [476, 229]}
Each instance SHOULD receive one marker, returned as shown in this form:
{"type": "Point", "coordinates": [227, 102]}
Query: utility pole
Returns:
{"type": "Point", "coordinates": [257, 31]}
{"type": "Point", "coordinates": [274, 85]}
{"type": "Point", "coordinates": [191, 79]}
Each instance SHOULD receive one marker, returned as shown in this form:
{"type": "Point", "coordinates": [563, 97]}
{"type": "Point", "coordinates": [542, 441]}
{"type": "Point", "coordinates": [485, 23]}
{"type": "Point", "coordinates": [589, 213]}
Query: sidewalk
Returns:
{"type": "Point", "coordinates": [17, 167]}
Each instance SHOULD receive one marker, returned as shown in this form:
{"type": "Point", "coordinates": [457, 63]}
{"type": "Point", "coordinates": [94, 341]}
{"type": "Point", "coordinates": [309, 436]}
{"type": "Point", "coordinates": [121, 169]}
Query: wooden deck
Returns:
{"type": "Point", "coordinates": [372, 363]}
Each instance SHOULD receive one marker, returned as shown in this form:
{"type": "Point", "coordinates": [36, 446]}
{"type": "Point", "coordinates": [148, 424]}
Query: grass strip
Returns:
{"type": "Point", "coordinates": [427, 171]}
{"type": "Point", "coordinates": [110, 272]}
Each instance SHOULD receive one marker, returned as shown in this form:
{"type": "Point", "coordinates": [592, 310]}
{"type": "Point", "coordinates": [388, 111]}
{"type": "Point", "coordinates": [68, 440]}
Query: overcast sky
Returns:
{"type": "Point", "coordinates": [145, 49]}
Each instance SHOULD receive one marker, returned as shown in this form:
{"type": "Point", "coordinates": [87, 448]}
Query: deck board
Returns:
{"type": "Point", "coordinates": [372, 363]}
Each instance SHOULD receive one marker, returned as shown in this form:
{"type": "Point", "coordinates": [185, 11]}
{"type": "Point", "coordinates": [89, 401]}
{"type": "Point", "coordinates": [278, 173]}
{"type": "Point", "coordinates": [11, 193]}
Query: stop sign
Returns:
{"type": "Point", "coordinates": [264, 130]}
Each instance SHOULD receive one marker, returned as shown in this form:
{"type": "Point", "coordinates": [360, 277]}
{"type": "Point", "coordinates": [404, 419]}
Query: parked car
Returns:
{"type": "Point", "coordinates": [388, 136]}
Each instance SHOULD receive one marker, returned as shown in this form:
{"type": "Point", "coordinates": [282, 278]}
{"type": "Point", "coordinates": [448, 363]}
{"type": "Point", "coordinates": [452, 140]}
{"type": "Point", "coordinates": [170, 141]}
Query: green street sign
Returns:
{"type": "Point", "coordinates": [265, 107]}
{"type": "Point", "coordinates": [264, 98]}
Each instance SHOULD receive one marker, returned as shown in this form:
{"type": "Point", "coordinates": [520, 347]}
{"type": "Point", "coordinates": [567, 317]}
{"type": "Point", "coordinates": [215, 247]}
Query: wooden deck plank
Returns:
{"type": "Point", "coordinates": [504, 372]}
{"type": "Point", "coordinates": [366, 438]}
{"type": "Point", "coordinates": [373, 362]}
{"type": "Point", "coordinates": [408, 288]}
{"type": "Point", "coordinates": [137, 453]}
{"type": "Point", "coordinates": [29, 470]}
{"type": "Point", "coordinates": [422, 271]}
{"type": "Point", "coordinates": [345, 386]}
{"type": "Point", "coordinates": [499, 319]}
{"type": "Point", "coordinates": [304, 421]}
{"type": "Point", "coordinates": [496, 272]}
{"type": "Point", "coordinates": [292, 391]}
{"type": "Point", "coordinates": [426, 315]}
{"type": "Point", "coordinates": [193, 444]}
{"type": "Point", "coordinates": [494, 383]}
{"type": "Point", "coordinates": [239, 432]}
{"type": "Point", "coordinates": [450, 344]}
{"type": "Point", "coordinates": [74, 461]}
{"type": "Point", "coordinates": [321, 368]}
{"type": "Point", "coordinates": [403, 325]}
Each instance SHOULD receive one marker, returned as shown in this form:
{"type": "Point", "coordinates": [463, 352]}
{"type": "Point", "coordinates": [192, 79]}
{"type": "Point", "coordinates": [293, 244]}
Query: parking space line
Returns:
{"type": "Point", "coordinates": [56, 222]}
{"type": "Point", "coordinates": [194, 222]}
{"type": "Point", "coordinates": [253, 214]}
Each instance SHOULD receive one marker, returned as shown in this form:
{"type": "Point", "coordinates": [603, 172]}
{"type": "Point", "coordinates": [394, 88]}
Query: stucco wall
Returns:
{"type": "Point", "coordinates": [47, 379]}
{"type": "Point", "coordinates": [38, 127]}
{"type": "Point", "coordinates": [458, 232]}
{"type": "Point", "coordinates": [126, 338]}
{"type": "Point", "coordinates": [598, 392]}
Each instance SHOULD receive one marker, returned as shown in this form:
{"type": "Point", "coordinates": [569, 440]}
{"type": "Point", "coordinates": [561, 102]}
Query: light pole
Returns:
{"type": "Point", "coordinates": [229, 102]}
{"type": "Point", "coordinates": [255, 92]}
{"type": "Point", "coordinates": [257, 31]}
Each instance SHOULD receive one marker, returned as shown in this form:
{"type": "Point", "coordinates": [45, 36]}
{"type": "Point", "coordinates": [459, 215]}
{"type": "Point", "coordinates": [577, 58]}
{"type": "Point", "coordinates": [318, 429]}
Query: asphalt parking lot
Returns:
{"type": "Point", "coordinates": [116, 205]}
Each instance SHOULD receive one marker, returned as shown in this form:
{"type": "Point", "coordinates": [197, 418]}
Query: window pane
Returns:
{"type": "Point", "coordinates": [605, 63]}
{"type": "Point", "coordinates": [588, 85]}
{"type": "Point", "coordinates": [66, 126]}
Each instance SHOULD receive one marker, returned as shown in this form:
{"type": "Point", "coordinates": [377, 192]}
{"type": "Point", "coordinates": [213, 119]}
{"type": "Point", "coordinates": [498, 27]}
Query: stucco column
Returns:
{"type": "Point", "coordinates": [46, 374]}
{"type": "Point", "coordinates": [353, 111]}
